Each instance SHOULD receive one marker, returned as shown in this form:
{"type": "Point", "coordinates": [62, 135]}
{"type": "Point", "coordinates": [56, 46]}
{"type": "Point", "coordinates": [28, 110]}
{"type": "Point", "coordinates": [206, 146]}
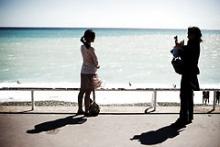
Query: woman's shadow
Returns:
{"type": "Point", "coordinates": [55, 124]}
{"type": "Point", "coordinates": [157, 136]}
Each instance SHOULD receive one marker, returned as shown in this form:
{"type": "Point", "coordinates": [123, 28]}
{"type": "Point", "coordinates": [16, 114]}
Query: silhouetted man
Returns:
{"type": "Point", "coordinates": [189, 81]}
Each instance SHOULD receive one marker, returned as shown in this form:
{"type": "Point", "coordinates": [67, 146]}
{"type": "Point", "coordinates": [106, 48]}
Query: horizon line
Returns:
{"type": "Point", "coordinates": [135, 28]}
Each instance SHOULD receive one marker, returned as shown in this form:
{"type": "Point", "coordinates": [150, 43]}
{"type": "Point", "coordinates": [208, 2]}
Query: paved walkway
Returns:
{"type": "Point", "coordinates": [62, 130]}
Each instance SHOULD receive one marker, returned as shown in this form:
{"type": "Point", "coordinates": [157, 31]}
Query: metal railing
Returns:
{"type": "Point", "coordinates": [154, 90]}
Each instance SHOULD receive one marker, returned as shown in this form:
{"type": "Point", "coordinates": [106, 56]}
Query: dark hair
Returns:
{"type": "Point", "coordinates": [197, 32]}
{"type": "Point", "coordinates": [88, 35]}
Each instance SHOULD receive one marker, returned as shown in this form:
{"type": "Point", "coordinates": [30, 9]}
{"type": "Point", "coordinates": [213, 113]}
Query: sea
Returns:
{"type": "Point", "coordinates": [128, 58]}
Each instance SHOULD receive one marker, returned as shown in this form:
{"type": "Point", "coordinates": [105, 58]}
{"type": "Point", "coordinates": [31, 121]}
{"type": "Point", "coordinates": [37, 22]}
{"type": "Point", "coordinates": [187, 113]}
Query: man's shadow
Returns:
{"type": "Point", "coordinates": [157, 136]}
{"type": "Point", "coordinates": [55, 124]}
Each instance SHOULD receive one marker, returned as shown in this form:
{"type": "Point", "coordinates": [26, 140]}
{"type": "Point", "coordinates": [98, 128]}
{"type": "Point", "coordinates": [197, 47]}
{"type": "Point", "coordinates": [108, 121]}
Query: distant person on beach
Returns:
{"type": "Point", "coordinates": [205, 97]}
{"type": "Point", "coordinates": [189, 82]}
{"type": "Point", "coordinates": [88, 70]}
{"type": "Point", "coordinates": [217, 97]}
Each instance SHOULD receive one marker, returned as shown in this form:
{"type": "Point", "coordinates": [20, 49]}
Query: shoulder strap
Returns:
{"type": "Point", "coordinates": [93, 94]}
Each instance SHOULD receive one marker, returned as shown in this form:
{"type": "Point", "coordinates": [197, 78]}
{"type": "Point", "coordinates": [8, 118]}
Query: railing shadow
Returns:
{"type": "Point", "coordinates": [55, 124]}
{"type": "Point", "coordinates": [157, 136]}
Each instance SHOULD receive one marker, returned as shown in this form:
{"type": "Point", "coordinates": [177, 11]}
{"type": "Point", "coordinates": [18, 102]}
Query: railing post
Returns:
{"type": "Point", "coordinates": [214, 100]}
{"type": "Point", "coordinates": [155, 99]}
{"type": "Point", "coordinates": [32, 99]}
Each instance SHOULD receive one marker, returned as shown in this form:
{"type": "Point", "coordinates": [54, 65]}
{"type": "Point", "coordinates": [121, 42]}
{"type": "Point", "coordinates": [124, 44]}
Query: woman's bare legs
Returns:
{"type": "Point", "coordinates": [87, 100]}
{"type": "Point", "coordinates": [80, 99]}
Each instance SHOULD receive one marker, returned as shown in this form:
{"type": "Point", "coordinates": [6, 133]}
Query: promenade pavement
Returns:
{"type": "Point", "coordinates": [106, 130]}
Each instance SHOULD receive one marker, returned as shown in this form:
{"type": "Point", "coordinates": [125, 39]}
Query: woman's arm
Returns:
{"type": "Point", "coordinates": [94, 57]}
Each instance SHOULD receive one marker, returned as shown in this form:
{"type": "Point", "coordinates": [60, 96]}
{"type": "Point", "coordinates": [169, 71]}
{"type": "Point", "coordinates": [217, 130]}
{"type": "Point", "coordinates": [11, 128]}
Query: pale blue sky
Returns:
{"type": "Point", "coordinates": [110, 13]}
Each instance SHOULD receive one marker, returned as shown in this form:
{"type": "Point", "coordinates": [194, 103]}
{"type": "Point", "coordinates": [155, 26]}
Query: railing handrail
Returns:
{"type": "Point", "coordinates": [154, 90]}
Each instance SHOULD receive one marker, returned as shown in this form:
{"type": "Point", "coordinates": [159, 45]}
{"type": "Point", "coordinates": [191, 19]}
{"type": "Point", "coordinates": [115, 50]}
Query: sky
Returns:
{"type": "Point", "coordinates": [110, 13]}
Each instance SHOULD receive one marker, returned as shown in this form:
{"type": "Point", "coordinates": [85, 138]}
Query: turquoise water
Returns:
{"type": "Point", "coordinates": [139, 56]}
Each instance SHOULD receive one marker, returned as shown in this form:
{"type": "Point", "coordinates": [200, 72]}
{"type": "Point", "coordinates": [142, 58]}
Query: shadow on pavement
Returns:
{"type": "Point", "coordinates": [55, 124]}
{"type": "Point", "coordinates": [158, 136]}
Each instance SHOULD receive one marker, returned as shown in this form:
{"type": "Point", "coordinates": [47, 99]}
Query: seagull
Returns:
{"type": "Point", "coordinates": [18, 82]}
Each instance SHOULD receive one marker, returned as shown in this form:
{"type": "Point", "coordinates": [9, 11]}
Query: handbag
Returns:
{"type": "Point", "coordinates": [178, 65]}
{"type": "Point", "coordinates": [94, 108]}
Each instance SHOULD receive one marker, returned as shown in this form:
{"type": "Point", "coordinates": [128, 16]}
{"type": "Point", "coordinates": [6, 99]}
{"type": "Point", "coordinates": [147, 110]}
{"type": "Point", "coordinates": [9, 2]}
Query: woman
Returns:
{"type": "Point", "coordinates": [88, 70]}
{"type": "Point", "coordinates": [189, 81]}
